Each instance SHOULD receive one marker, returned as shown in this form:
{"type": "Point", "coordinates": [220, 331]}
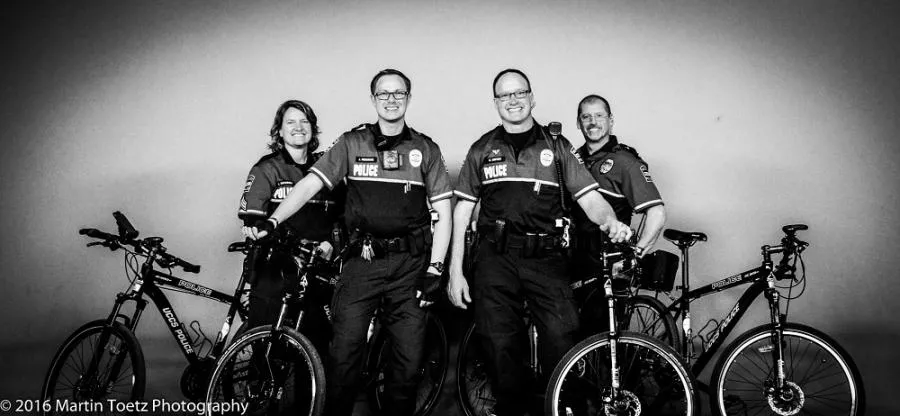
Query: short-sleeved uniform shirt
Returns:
{"type": "Point", "coordinates": [624, 180]}
{"type": "Point", "coordinates": [271, 180]}
{"type": "Point", "coordinates": [388, 188]}
{"type": "Point", "coordinates": [522, 188]}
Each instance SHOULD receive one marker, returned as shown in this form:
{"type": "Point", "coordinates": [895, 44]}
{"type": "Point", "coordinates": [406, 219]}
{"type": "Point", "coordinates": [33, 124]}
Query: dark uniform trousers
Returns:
{"type": "Point", "coordinates": [388, 282]}
{"type": "Point", "coordinates": [500, 285]}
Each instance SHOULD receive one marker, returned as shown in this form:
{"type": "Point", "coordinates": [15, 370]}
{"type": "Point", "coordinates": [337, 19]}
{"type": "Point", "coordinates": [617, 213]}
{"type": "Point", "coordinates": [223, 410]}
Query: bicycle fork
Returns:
{"type": "Point", "coordinates": [777, 337]}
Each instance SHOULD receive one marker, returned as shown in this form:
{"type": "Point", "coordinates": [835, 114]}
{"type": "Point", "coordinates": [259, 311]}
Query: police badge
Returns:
{"type": "Point", "coordinates": [606, 166]}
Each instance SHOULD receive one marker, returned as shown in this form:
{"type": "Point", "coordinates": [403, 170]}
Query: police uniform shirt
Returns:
{"type": "Point", "coordinates": [624, 179]}
{"type": "Point", "coordinates": [387, 188]}
{"type": "Point", "coordinates": [269, 182]}
{"type": "Point", "coordinates": [523, 190]}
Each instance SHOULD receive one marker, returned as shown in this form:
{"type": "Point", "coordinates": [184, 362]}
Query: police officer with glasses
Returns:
{"type": "Point", "coordinates": [518, 171]}
{"type": "Point", "coordinates": [393, 262]}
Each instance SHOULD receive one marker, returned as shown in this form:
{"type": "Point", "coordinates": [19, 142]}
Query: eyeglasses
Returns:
{"type": "Point", "coordinates": [398, 95]}
{"type": "Point", "coordinates": [591, 117]}
{"type": "Point", "coordinates": [508, 96]}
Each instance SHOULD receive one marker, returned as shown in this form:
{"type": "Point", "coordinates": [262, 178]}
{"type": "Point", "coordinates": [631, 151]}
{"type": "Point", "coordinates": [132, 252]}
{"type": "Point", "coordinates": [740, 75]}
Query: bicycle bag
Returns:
{"type": "Point", "coordinates": [658, 271]}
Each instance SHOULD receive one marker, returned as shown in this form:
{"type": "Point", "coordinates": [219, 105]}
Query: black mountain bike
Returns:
{"type": "Point", "coordinates": [635, 312]}
{"type": "Point", "coordinates": [103, 359]}
{"type": "Point", "coordinates": [619, 372]}
{"type": "Point", "coordinates": [276, 369]}
{"type": "Point", "coordinates": [778, 368]}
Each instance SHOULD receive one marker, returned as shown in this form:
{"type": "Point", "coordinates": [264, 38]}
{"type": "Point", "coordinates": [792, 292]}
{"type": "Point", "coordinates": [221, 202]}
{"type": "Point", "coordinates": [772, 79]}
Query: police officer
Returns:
{"type": "Point", "coordinates": [625, 183]}
{"type": "Point", "coordinates": [393, 172]}
{"type": "Point", "coordinates": [294, 138]}
{"type": "Point", "coordinates": [517, 172]}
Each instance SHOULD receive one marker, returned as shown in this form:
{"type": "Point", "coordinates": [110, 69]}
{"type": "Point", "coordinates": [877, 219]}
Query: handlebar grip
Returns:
{"type": "Point", "coordinates": [190, 268]}
{"type": "Point", "coordinates": [126, 230]}
{"type": "Point", "coordinates": [237, 246]}
{"type": "Point", "coordinates": [95, 233]}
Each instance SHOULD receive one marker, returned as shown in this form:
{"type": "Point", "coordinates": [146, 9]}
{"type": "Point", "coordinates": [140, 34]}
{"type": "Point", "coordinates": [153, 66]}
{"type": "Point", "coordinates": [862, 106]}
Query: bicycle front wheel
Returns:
{"type": "Point", "coordinates": [98, 362]}
{"type": "Point", "coordinates": [431, 374]}
{"type": "Point", "coordinates": [653, 380]}
{"type": "Point", "coordinates": [647, 315]}
{"type": "Point", "coordinates": [820, 377]}
{"type": "Point", "coordinates": [271, 372]}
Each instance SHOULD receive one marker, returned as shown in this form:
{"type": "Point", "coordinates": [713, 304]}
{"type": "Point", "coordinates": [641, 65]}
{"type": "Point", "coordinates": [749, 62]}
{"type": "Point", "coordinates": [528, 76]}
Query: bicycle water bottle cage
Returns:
{"type": "Point", "coordinates": [683, 239]}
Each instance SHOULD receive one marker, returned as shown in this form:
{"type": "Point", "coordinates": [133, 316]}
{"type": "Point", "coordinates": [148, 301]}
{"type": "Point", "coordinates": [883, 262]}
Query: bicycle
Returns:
{"type": "Point", "coordinates": [620, 372]}
{"type": "Point", "coordinates": [318, 276]}
{"type": "Point", "coordinates": [780, 367]}
{"type": "Point", "coordinates": [273, 369]}
{"type": "Point", "coordinates": [640, 313]}
{"type": "Point", "coordinates": [103, 359]}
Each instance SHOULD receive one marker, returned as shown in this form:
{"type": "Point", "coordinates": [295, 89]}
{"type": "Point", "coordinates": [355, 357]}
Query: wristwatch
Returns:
{"type": "Point", "coordinates": [439, 266]}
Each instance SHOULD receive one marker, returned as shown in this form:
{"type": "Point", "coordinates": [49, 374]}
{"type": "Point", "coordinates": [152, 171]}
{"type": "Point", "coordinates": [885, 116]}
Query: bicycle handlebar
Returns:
{"type": "Point", "coordinates": [127, 236]}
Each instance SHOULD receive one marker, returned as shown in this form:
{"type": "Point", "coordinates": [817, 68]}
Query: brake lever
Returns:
{"type": "Point", "coordinates": [94, 243]}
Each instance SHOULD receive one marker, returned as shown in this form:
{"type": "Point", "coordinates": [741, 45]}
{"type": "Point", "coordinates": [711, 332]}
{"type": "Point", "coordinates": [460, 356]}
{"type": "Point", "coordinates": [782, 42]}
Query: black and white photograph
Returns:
{"type": "Point", "coordinates": [450, 208]}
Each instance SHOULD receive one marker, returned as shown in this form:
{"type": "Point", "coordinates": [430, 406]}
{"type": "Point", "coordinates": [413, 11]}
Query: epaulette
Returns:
{"type": "Point", "coordinates": [423, 135]}
{"type": "Point", "coordinates": [360, 127]}
{"type": "Point", "coordinates": [629, 149]}
{"type": "Point", "coordinates": [313, 157]}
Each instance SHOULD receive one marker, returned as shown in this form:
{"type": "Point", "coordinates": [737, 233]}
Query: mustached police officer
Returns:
{"type": "Point", "coordinates": [625, 183]}
{"type": "Point", "coordinates": [517, 172]}
{"type": "Point", "coordinates": [393, 172]}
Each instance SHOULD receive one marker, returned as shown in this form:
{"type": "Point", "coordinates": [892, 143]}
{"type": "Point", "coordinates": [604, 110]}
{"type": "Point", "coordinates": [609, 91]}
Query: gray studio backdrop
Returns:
{"type": "Point", "coordinates": [750, 114]}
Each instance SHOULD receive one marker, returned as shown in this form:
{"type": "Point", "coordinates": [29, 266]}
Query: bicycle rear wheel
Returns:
{"type": "Point", "coordinates": [647, 315]}
{"type": "Point", "coordinates": [272, 372]}
{"type": "Point", "coordinates": [821, 378]}
{"type": "Point", "coordinates": [431, 374]}
{"type": "Point", "coordinates": [653, 380]}
{"type": "Point", "coordinates": [118, 374]}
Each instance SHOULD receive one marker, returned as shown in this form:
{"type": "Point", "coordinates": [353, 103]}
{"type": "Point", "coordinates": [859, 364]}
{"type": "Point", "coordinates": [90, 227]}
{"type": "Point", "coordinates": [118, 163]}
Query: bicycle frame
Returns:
{"type": "Point", "coordinates": [151, 283]}
{"type": "Point", "coordinates": [760, 279]}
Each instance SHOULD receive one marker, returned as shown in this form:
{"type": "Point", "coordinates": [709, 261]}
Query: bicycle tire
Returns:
{"type": "Point", "coordinates": [647, 315]}
{"type": "Point", "coordinates": [239, 369]}
{"type": "Point", "coordinates": [654, 381]}
{"type": "Point", "coordinates": [474, 390]}
{"type": "Point", "coordinates": [432, 373]}
{"type": "Point", "coordinates": [743, 375]}
{"type": "Point", "coordinates": [70, 356]}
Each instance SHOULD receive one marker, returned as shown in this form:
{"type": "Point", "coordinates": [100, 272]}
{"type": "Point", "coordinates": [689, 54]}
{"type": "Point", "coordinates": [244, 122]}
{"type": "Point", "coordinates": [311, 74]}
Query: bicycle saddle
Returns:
{"type": "Point", "coordinates": [683, 238]}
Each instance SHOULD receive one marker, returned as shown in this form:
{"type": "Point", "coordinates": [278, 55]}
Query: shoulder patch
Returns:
{"type": "Point", "coordinates": [574, 152]}
{"type": "Point", "coordinates": [646, 174]}
{"type": "Point", "coordinates": [249, 183]}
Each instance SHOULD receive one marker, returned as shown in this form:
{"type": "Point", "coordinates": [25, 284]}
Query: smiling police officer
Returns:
{"type": "Point", "coordinates": [625, 183]}
{"type": "Point", "coordinates": [517, 171]}
{"type": "Point", "coordinates": [393, 172]}
{"type": "Point", "coordinates": [294, 138]}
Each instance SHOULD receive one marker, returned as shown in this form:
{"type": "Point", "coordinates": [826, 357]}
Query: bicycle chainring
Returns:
{"type": "Point", "coordinates": [195, 379]}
